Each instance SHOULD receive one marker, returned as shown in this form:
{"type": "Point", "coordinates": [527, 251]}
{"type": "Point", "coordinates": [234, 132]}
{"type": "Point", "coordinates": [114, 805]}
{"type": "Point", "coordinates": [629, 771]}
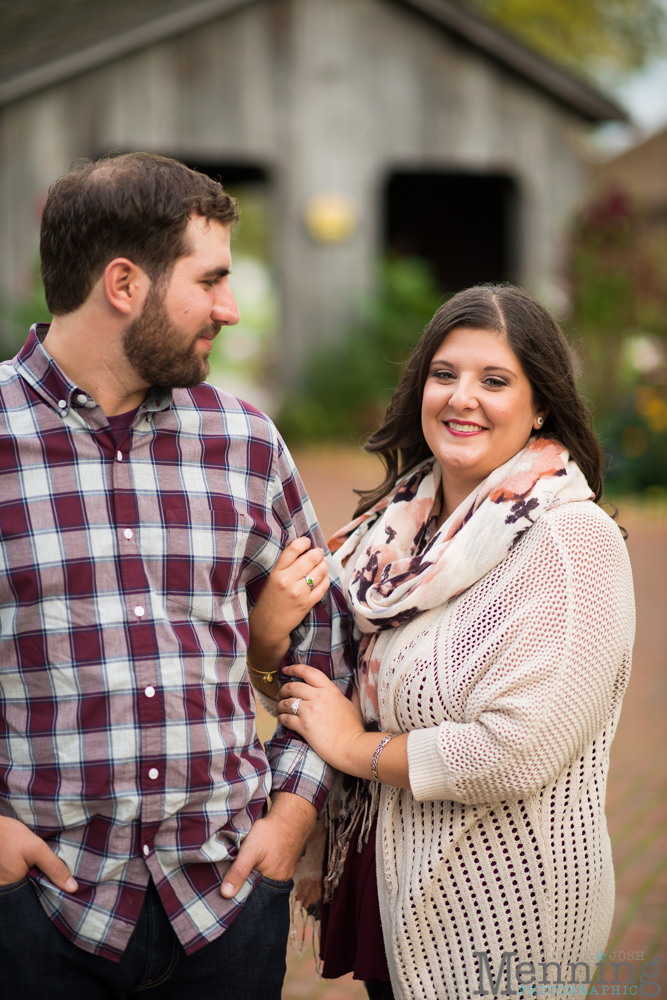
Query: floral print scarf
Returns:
{"type": "Point", "coordinates": [394, 565]}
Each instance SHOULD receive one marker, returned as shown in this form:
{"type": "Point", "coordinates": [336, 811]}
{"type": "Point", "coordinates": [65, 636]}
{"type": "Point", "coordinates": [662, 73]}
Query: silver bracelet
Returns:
{"type": "Point", "coordinates": [376, 756]}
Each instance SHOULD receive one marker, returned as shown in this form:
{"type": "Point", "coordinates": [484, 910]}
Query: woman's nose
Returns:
{"type": "Point", "coordinates": [463, 396]}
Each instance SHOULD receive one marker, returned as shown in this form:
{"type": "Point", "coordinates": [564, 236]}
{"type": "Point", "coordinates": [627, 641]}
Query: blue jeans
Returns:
{"type": "Point", "coordinates": [247, 961]}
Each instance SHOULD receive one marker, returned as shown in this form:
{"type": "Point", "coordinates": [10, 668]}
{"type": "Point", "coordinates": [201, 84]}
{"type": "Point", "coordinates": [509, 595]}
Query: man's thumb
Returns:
{"type": "Point", "coordinates": [239, 871]}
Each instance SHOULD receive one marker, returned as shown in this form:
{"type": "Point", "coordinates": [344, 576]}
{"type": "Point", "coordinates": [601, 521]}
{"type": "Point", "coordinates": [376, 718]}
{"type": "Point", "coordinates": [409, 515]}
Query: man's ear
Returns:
{"type": "Point", "coordinates": [126, 286]}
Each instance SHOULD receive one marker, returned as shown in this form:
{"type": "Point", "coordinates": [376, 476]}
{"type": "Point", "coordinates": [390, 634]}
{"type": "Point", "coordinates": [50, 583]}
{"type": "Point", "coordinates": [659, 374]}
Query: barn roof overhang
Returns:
{"type": "Point", "coordinates": [568, 89]}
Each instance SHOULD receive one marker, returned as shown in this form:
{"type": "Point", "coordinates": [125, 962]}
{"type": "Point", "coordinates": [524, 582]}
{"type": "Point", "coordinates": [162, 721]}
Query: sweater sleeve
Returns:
{"type": "Point", "coordinates": [537, 665]}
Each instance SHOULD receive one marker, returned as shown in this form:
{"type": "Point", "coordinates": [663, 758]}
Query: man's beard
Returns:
{"type": "Point", "coordinates": [154, 347]}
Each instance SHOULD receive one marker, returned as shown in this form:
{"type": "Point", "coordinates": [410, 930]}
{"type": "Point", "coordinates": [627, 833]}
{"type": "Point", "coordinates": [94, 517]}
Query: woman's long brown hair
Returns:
{"type": "Point", "coordinates": [545, 356]}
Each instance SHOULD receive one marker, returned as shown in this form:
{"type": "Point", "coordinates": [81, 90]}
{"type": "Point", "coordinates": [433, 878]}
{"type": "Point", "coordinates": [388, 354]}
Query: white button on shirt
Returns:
{"type": "Point", "coordinates": [62, 404]}
{"type": "Point", "coordinates": [128, 533]}
{"type": "Point", "coordinates": [139, 611]}
{"type": "Point", "coordinates": [147, 849]}
{"type": "Point", "coordinates": [149, 691]}
{"type": "Point", "coordinates": [119, 456]}
{"type": "Point", "coordinates": [82, 398]}
{"type": "Point", "coordinates": [153, 773]}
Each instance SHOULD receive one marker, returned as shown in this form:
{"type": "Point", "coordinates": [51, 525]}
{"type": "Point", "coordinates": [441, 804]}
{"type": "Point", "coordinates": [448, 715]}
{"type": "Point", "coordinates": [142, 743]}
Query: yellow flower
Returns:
{"type": "Point", "coordinates": [652, 406]}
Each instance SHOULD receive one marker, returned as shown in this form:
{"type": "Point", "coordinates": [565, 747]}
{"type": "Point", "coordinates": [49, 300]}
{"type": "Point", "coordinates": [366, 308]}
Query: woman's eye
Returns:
{"type": "Point", "coordinates": [443, 375]}
{"type": "Point", "coordinates": [495, 383]}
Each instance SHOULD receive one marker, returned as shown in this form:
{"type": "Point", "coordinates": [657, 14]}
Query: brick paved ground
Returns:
{"type": "Point", "coordinates": [637, 799]}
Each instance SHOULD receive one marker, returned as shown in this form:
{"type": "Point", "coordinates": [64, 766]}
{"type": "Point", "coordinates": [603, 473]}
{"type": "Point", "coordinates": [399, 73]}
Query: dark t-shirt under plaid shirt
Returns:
{"type": "Point", "coordinates": [127, 571]}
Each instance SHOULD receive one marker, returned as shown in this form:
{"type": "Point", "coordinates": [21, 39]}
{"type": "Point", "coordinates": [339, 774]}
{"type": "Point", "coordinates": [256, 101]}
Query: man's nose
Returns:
{"type": "Point", "coordinates": [225, 309]}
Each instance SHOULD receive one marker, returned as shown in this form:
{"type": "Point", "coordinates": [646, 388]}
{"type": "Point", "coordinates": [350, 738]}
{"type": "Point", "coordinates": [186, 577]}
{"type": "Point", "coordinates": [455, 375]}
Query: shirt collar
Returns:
{"type": "Point", "coordinates": [37, 367]}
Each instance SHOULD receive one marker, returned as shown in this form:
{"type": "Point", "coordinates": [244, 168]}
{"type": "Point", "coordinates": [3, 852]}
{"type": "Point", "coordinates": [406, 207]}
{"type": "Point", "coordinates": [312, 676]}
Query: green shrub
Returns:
{"type": "Point", "coordinates": [618, 285]}
{"type": "Point", "coordinates": [348, 383]}
{"type": "Point", "coordinates": [635, 441]}
{"type": "Point", "coordinates": [18, 314]}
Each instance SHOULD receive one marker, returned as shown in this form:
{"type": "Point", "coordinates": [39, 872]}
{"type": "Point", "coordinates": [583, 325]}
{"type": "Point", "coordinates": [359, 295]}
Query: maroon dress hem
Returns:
{"type": "Point", "coordinates": [351, 930]}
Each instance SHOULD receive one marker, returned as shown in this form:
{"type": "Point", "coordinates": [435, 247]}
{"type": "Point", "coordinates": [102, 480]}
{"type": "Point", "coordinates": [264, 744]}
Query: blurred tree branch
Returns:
{"type": "Point", "coordinates": [599, 38]}
{"type": "Point", "coordinates": [618, 293]}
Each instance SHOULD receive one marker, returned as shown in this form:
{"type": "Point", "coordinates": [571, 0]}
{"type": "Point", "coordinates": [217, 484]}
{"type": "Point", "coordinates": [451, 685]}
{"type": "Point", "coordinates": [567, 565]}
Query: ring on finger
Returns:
{"type": "Point", "coordinates": [309, 580]}
{"type": "Point", "coordinates": [295, 705]}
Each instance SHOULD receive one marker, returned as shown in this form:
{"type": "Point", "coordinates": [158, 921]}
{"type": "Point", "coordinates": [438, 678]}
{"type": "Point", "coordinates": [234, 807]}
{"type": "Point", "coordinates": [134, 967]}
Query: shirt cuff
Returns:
{"type": "Point", "coordinates": [269, 705]}
{"type": "Point", "coordinates": [297, 769]}
{"type": "Point", "coordinates": [426, 767]}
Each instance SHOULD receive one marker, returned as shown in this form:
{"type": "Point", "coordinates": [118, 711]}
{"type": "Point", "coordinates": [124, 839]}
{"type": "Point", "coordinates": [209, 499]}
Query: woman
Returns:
{"type": "Point", "coordinates": [493, 619]}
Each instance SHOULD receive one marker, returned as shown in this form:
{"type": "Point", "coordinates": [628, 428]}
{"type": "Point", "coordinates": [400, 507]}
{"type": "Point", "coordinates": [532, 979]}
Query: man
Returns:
{"type": "Point", "coordinates": [140, 513]}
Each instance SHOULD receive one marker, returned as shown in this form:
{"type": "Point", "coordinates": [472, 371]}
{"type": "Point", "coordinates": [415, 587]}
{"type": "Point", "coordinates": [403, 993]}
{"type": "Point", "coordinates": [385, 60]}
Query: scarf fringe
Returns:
{"type": "Point", "coordinates": [351, 800]}
{"type": "Point", "coordinates": [344, 809]}
{"type": "Point", "coordinates": [300, 921]}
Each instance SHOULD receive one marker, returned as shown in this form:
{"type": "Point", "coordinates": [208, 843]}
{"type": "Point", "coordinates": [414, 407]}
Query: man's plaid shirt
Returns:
{"type": "Point", "coordinates": [127, 571]}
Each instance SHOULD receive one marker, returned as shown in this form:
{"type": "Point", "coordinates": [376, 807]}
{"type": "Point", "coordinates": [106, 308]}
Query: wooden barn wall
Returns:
{"type": "Point", "coordinates": [326, 96]}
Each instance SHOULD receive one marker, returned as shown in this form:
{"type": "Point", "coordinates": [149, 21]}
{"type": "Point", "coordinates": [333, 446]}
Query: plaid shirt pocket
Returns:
{"type": "Point", "coordinates": [206, 545]}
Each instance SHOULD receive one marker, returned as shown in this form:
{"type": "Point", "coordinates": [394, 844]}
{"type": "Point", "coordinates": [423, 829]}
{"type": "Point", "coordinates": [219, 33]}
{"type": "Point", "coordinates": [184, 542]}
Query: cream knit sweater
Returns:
{"type": "Point", "coordinates": [511, 693]}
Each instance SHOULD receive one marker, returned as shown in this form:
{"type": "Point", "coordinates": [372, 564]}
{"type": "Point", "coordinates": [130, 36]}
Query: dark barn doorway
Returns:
{"type": "Point", "coordinates": [463, 225]}
{"type": "Point", "coordinates": [250, 184]}
{"type": "Point", "coordinates": [231, 174]}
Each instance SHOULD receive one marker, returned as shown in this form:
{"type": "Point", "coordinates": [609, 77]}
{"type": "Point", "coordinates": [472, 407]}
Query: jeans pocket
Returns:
{"type": "Point", "coordinates": [13, 886]}
{"type": "Point", "coordinates": [278, 885]}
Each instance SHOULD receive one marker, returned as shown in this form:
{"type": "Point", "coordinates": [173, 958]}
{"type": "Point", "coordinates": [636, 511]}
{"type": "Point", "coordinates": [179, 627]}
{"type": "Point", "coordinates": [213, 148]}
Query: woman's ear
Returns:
{"type": "Point", "coordinates": [540, 419]}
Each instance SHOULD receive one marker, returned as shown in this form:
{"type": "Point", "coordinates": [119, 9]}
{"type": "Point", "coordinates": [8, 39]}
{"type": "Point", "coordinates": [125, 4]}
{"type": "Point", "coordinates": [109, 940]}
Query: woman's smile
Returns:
{"type": "Point", "coordinates": [460, 429]}
{"type": "Point", "coordinates": [477, 409]}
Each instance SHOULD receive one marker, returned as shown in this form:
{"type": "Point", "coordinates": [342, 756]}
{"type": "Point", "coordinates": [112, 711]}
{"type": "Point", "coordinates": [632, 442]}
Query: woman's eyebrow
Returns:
{"type": "Point", "coordinates": [488, 368]}
{"type": "Point", "coordinates": [499, 368]}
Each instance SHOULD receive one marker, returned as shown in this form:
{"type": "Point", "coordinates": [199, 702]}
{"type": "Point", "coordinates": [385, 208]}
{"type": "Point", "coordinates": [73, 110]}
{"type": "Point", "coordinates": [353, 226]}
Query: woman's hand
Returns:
{"type": "Point", "coordinates": [287, 598]}
{"type": "Point", "coordinates": [329, 721]}
{"type": "Point", "coordinates": [285, 601]}
{"type": "Point", "coordinates": [334, 728]}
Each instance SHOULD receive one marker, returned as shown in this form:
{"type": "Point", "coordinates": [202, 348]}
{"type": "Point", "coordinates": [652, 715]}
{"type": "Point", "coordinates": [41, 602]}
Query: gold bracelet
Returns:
{"type": "Point", "coordinates": [266, 675]}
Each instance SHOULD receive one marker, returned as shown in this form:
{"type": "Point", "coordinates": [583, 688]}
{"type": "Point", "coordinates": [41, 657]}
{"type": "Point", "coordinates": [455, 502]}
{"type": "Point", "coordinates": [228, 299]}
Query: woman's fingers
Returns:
{"type": "Point", "coordinates": [310, 562]}
{"type": "Point", "coordinates": [293, 581]}
{"type": "Point", "coordinates": [296, 566]}
{"type": "Point", "coordinates": [310, 677]}
{"type": "Point", "coordinates": [320, 590]}
{"type": "Point", "coordinates": [318, 574]}
{"type": "Point", "coordinates": [289, 721]}
{"type": "Point", "coordinates": [291, 552]}
{"type": "Point", "coordinates": [287, 698]}
{"type": "Point", "coordinates": [300, 550]}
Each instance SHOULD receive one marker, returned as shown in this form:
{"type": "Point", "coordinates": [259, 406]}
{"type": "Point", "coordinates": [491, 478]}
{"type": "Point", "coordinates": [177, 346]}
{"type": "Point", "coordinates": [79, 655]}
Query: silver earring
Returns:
{"type": "Point", "coordinates": [540, 421]}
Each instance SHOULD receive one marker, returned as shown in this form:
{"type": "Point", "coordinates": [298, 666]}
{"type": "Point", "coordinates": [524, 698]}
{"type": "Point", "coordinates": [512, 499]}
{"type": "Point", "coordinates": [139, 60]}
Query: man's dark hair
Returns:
{"type": "Point", "coordinates": [137, 206]}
